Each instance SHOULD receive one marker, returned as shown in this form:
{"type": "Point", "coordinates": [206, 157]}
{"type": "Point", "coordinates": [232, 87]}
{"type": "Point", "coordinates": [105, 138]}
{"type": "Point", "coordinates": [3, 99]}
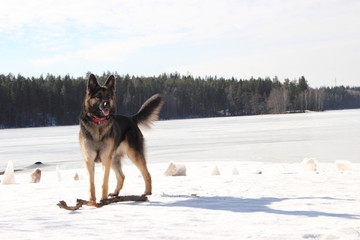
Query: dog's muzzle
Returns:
{"type": "Point", "coordinates": [105, 108]}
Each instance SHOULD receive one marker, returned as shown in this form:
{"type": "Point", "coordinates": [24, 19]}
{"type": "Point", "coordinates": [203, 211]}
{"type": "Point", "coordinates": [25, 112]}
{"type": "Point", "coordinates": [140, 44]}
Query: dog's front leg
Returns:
{"type": "Point", "coordinates": [89, 164]}
{"type": "Point", "coordinates": [105, 186]}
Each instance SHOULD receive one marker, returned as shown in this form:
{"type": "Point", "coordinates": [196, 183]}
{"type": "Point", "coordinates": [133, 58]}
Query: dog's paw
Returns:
{"type": "Point", "coordinates": [147, 193]}
{"type": "Point", "coordinates": [114, 194]}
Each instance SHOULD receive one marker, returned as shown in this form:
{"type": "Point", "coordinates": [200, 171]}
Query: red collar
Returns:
{"type": "Point", "coordinates": [97, 120]}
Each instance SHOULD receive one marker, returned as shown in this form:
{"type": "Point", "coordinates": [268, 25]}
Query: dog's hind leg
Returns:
{"type": "Point", "coordinates": [138, 159]}
{"type": "Point", "coordinates": [120, 177]}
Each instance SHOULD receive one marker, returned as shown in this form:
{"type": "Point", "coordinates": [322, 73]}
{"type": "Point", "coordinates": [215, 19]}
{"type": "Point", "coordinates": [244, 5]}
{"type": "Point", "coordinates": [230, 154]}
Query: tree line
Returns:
{"type": "Point", "coordinates": [57, 100]}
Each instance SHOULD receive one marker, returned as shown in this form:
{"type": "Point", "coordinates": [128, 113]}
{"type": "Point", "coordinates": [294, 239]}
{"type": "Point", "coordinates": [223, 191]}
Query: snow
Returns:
{"type": "Point", "coordinates": [269, 199]}
{"type": "Point", "coordinates": [309, 164]}
{"type": "Point", "coordinates": [215, 171]}
{"type": "Point", "coordinates": [9, 176]}
{"type": "Point", "coordinates": [175, 170]}
{"type": "Point", "coordinates": [280, 203]}
{"type": "Point", "coordinates": [343, 165]}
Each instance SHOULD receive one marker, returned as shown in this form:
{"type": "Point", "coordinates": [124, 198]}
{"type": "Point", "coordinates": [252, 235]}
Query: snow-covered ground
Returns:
{"type": "Point", "coordinates": [281, 203]}
{"type": "Point", "coordinates": [271, 197]}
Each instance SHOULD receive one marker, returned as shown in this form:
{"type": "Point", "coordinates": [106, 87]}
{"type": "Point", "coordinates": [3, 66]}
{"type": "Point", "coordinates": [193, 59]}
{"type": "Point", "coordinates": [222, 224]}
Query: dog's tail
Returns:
{"type": "Point", "coordinates": [149, 111]}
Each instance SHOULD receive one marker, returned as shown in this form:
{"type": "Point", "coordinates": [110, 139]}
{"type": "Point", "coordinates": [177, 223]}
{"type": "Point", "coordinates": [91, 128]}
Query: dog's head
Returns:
{"type": "Point", "coordinates": [100, 100]}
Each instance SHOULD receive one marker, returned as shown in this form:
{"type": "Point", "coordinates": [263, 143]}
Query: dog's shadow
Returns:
{"type": "Point", "coordinates": [250, 205]}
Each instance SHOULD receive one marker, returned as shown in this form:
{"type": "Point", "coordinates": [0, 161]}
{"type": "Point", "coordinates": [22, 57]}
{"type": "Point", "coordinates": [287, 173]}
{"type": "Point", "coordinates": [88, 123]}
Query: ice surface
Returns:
{"type": "Point", "coordinates": [327, 136]}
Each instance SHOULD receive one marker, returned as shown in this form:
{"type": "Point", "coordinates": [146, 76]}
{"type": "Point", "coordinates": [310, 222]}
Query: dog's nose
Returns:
{"type": "Point", "coordinates": [106, 104]}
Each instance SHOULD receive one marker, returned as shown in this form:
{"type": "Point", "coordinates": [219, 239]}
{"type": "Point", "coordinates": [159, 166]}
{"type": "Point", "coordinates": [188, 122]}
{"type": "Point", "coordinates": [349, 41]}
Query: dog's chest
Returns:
{"type": "Point", "coordinates": [96, 133]}
{"type": "Point", "coordinates": [97, 149]}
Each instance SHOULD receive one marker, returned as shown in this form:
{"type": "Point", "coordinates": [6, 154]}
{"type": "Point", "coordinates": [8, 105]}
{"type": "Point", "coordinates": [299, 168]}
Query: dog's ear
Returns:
{"type": "Point", "coordinates": [110, 83]}
{"type": "Point", "coordinates": [92, 83]}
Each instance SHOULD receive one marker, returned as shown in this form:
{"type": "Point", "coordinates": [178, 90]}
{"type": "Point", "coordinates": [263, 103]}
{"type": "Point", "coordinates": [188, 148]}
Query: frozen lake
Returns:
{"type": "Point", "coordinates": [289, 138]}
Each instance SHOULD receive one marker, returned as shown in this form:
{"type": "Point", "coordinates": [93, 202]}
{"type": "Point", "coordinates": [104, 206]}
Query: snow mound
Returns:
{"type": "Point", "coordinates": [35, 176]}
{"type": "Point", "coordinates": [58, 174]}
{"type": "Point", "coordinates": [9, 177]}
{"type": "Point", "coordinates": [343, 165]}
{"type": "Point", "coordinates": [310, 164]}
{"type": "Point", "coordinates": [215, 171]}
{"type": "Point", "coordinates": [235, 171]}
{"type": "Point", "coordinates": [76, 177]}
{"type": "Point", "coordinates": [175, 170]}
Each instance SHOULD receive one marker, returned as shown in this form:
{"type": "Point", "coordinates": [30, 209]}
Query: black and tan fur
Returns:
{"type": "Point", "coordinates": [106, 137]}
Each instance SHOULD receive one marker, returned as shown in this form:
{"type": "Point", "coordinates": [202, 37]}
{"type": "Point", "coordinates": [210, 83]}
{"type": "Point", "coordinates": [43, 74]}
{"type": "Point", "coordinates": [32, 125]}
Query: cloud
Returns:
{"type": "Point", "coordinates": [229, 37]}
{"type": "Point", "coordinates": [111, 30]}
{"type": "Point", "coordinates": [262, 21]}
{"type": "Point", "coordinates": [257, 18]}
{"type": "Point", "coordinates": [47, 61]}
{"type": "Point", "coordinates": [320, 63]}
{"type": "Point", "coordinates": [115, 50]}
{"type": "Point", "coordinates": [118, 49]}
{"type": "Point", "coordinates": [126, 16]}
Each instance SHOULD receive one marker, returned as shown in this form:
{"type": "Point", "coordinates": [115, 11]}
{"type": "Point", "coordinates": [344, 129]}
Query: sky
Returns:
{"type": "Point", "coordinates": [317, 39]}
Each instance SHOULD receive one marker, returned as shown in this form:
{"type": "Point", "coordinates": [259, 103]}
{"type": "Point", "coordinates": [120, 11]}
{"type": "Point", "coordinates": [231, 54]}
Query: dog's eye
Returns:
{"type": "Point", "coordinates": [98, 97]}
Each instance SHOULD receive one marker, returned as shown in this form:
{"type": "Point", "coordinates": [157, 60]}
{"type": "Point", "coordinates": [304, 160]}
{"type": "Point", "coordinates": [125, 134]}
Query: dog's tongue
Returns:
{"type": "Point", "coordinates": [105, 112]}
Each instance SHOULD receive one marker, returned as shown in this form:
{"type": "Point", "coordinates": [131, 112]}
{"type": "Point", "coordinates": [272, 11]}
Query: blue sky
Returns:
{"type": "Point", "coordinates": [319, 39]}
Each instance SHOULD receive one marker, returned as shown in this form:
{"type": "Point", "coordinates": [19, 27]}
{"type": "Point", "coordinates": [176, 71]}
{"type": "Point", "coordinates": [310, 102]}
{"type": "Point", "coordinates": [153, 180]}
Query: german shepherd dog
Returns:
{"type": "Point", "coordinates": [106, 137]}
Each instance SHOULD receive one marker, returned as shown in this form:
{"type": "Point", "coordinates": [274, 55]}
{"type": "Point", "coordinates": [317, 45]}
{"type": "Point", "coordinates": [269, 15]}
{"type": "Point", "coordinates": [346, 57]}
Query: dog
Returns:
{"type": "Point", "coordinates": [106, 137]}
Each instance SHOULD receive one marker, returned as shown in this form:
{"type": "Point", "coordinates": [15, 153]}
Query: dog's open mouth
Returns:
{"type": "Point", "coordinates": [105, 112]}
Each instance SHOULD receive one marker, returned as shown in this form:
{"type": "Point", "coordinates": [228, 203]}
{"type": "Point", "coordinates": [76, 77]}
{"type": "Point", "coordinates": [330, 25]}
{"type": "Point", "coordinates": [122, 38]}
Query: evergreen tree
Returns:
{"type": "Point", "coordinates": [56, 100]}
